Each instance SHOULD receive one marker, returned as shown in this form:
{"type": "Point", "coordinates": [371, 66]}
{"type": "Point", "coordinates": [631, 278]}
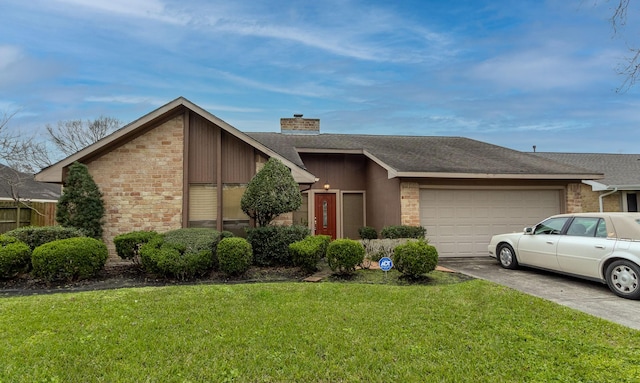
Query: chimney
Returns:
{"type": "Point", "coordinates": [299, 125]}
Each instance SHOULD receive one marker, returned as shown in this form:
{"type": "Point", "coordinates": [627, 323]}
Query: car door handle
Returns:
{"type": "Point", "coordinates": [600, 246]}
{"type": "Point", "coordinates": [550, 242]}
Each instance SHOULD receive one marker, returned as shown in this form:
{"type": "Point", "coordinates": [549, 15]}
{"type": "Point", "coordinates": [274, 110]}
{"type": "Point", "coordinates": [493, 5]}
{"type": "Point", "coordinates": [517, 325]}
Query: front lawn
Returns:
{"type": "Point", "coordinates": [474, 331]}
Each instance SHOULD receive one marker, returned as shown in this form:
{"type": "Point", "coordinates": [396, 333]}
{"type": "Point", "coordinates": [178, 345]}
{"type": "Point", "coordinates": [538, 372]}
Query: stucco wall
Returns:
{"type": "Point", "coordinates": [141, 183]}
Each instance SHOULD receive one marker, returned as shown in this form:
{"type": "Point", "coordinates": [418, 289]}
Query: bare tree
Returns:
{"type": "Point", "coordinates": [74, 135]}
{"type": "Point", "coordinates": [631, 68]}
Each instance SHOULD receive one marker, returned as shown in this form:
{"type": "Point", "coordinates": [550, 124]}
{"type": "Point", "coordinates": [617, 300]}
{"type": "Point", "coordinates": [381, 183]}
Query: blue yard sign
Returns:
{"type": "Point", "coordinates": [385, 263]}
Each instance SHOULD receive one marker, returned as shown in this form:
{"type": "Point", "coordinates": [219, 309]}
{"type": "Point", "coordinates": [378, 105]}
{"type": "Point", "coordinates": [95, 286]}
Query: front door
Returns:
{"type": "Point", "coordinates": [325, 214]}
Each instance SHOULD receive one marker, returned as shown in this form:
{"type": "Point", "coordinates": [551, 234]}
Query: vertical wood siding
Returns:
{"type": "Point", "coordinates": [202, 150]}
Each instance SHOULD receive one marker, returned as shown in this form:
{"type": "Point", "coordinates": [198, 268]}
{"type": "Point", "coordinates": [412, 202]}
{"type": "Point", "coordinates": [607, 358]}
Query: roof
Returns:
{"type": "Point", "coordinates": [401, 156]}
{"type": "Point", "coordinates": [54, 173]}
{"type": "Point", "coordinates": [427, 156]}
{"type": "Point", "coordinates": [15, 184]}
{"type": "Point", "coordinates": [621, 171]}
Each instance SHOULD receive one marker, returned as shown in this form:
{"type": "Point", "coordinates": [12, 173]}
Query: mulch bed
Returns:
{"type": "Point", "coordinates": [119, 275]}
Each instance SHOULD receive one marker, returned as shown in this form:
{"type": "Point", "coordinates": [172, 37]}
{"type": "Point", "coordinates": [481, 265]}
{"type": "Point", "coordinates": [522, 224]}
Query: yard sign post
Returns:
{"type": "Point", "coordinates": [385, 265]}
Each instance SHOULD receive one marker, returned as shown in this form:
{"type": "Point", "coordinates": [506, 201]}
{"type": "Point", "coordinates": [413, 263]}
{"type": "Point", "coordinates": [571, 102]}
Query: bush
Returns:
{"type": "Point", "coordinates": [270, 244]}
{"type": "Point", "coordinates": [343, 255]}
{"type": "Point", "coordinates": [367, 232]}
{"type": "Point", "coordinates": [307, 252]}
{"type": "Point", "coordinates": [15, 256]}
{"type": "Point", "coordinates": [403, 231]}
{"type": "Point", "coordinates": [235, 255]}
{"type": "Point", "coordinates": [415, 258]}
{"type": "Point", "coordinates": [128, 245]}
{"type": "Point", "coordinates": [69, 259]}
{"type": "Point", "coordinates": [81, 205]}
{"type": "Point", "coordinates": [181, 253]}
{"type": "Point", "coordinates": [35, 236]}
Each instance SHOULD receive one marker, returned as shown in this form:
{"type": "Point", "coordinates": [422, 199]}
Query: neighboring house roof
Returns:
{"type": "Point", "coordinates": [621, 171]}
{"type": "Point", "coordinates": [54, 173]}
{"type": "Point", "coordinates": [17, 185]}
{"type": "Point", "coordinates": [426, 156]}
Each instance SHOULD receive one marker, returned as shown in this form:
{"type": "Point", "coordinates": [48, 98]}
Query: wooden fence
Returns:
{"type": "Point", "coordinates": [36, 214]}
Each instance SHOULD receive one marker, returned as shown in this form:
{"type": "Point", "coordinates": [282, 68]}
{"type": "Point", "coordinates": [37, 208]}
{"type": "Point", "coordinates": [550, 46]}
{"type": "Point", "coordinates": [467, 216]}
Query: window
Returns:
{"type": "Point", "coordinates": [301, 216]}
{"type": "Point", "coordinates": [203, 205]}
{"type": "Point", "coordinates": [551, 226]}
{"type": "Point", "coordinates": [632, 202]}
{"type": "Point", "coordinates": [352, 214]}
{"type": "Point", "coordinates": [233, 218]}
{"type": "Point", "coordinates": [585, 226]}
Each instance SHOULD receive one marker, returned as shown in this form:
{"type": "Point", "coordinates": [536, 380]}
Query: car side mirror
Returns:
{"type": "Point", "coordinates": [528, 230]}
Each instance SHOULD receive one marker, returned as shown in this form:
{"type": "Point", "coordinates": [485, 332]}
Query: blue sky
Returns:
{"type": "Point", "coordinates": [511, 73]}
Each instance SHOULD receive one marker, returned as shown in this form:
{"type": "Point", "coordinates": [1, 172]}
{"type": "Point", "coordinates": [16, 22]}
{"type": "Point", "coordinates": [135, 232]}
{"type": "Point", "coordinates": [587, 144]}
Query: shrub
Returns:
{"type": "Point", "coordinates": [235, 255]}
{"type": "Point", "coordinates": [69, 259]}
{"type": "Point", "coordinates": [181, 253]}
{"type": "Point", "coordinates": [81, 205]}
{"type": "Point", "coordinates": [343, 255]}
{"type": "Point", "coordinates": [403, 231]}
{"type": "Point", "coordinates": [270, 244]}
{"type": "Point", "coordinates": [415, 258]}
{"type": "Point", "coordinates": [128, 244]}
{"type": "Point", "coordinates": [35, 236]}
{"type": "Point", "coordinates": [367, 232]}
{"type": "Point", "coordinates": [307, 252]}
{"type": "Point", "coordinates": [15, 256]}
{"type": "Point", "coordinates": [271, 192]}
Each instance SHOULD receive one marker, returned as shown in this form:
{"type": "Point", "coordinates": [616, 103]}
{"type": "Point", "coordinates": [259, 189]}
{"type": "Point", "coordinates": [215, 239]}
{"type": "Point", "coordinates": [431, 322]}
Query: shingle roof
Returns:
{"type": "Point", "coordinates": [426, 155]}
{"type": "Point", "coordinates": [25, 187]}
{"type": "Point", "coordinates": [620, 170]}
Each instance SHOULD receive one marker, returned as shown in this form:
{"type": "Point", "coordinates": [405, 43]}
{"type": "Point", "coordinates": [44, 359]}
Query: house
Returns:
{"type": "Point", "coordinates": [618, 190]}
{"type": "Point", "coordinates": [181, 166]}
{"type": "Point", "coordinates": [23, 201]}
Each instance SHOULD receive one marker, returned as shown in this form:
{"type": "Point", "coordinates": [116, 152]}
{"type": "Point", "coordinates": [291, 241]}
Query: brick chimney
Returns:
{"type": "Point", "coordinates": [299, 125]}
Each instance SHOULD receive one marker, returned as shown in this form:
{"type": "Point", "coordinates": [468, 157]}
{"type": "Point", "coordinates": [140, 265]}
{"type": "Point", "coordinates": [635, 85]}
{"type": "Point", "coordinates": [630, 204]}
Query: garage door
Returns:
{"type": "Point", "coordinates": [460, 223]}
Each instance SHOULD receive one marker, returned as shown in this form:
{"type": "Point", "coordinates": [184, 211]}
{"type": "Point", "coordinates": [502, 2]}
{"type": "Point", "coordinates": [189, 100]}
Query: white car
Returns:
{"type": "Point", "coordinates": [604, 247]}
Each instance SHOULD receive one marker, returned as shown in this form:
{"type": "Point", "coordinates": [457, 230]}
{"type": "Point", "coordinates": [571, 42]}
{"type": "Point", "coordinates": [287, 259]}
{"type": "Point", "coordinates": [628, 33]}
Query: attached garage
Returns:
{"type": "Point", "coordinates": [460, 222]}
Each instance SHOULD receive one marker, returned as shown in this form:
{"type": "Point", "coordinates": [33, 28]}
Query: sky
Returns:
{"type": "Point", "coordinates": [514, 73]}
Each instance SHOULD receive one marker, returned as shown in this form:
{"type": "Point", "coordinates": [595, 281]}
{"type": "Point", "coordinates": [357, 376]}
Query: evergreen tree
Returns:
{"type": "Point", "coordinates": [271, 192]}
{"type": "Point", "coordinates": [81, 205]}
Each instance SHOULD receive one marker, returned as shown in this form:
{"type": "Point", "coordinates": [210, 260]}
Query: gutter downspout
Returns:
{"type": "Point", "coordinates": [601, 197]}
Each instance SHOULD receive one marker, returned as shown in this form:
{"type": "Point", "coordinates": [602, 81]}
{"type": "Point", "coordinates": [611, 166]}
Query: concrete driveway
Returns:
{"type": "Point", "coordinates": [589, 297]}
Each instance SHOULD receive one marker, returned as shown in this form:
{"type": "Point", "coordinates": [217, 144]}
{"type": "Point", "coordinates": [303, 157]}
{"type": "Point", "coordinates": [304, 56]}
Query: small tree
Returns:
{"type": "Point", "coordinates": [81, 204]}
{"type": "Point", "coordinates": [271, 192]}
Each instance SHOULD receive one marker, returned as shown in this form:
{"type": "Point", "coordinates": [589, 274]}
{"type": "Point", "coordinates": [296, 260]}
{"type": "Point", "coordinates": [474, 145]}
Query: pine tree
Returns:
{"type": "Point", "coordinates": [81, 205]}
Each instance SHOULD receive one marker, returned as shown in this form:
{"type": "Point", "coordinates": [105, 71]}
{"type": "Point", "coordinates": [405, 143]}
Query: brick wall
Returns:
{"type": "Point", "coordinates": [410, 203]}
{"type": "Point", "coordinates": [581, 199]}
{"type": "Point", "coordinates": [141, 183]}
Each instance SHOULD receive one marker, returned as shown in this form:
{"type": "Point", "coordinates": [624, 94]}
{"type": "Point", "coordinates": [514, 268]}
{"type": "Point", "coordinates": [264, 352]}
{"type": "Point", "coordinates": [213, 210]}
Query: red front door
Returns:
{"type": "Point", "coordinates": [325, 214]}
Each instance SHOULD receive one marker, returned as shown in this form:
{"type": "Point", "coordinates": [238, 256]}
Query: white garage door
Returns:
{"type": "Point", "coordinates": [460, 223]}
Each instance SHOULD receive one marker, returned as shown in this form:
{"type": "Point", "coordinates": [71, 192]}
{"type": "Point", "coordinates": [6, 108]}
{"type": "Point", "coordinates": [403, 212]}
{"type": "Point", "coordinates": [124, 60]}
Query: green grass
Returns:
{"type": "Point", "coordinates": [473, 331]}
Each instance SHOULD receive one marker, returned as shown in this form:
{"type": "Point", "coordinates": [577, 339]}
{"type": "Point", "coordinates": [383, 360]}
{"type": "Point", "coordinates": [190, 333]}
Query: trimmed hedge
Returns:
{"type": "Point", "coordinates": [15, 256]}
{"type": "Point", "coordinates": [128, 244]}
{"type": "Point", "coordinates": [367, 232]}
{"type": "Point", "coordinates": [69, 259]}
{"type": "Point", "coordinates": [306, 253]}
{"type": "Point", "coordinates": [235, 255]}
{"type": "Point", "coordinates": [343, 255]}
{"type": "Point", "coordinates": [270, 244]}
{"type": "Point", "coordinates": [35, 236]}
{"type": "Point", "coordinates": [403, 231]}
{"type": "Point", "coordinates": [415, 258]}
{"type": "Point", "coordinates": [182, 253]}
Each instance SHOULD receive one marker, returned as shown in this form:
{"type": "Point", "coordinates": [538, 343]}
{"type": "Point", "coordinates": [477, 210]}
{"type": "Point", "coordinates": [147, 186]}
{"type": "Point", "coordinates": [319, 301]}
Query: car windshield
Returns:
{"type": "Point", "coordinates": [551, 226]}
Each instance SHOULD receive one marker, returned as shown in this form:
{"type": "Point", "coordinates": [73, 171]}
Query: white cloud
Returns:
{"type": "Point", "coordinates": [145, 9]}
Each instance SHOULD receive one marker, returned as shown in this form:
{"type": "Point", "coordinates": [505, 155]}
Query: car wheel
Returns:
{"type": "Point", "coordinates": [623, 278]}
{"type": "Point", "coordinates": [507, 257]}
